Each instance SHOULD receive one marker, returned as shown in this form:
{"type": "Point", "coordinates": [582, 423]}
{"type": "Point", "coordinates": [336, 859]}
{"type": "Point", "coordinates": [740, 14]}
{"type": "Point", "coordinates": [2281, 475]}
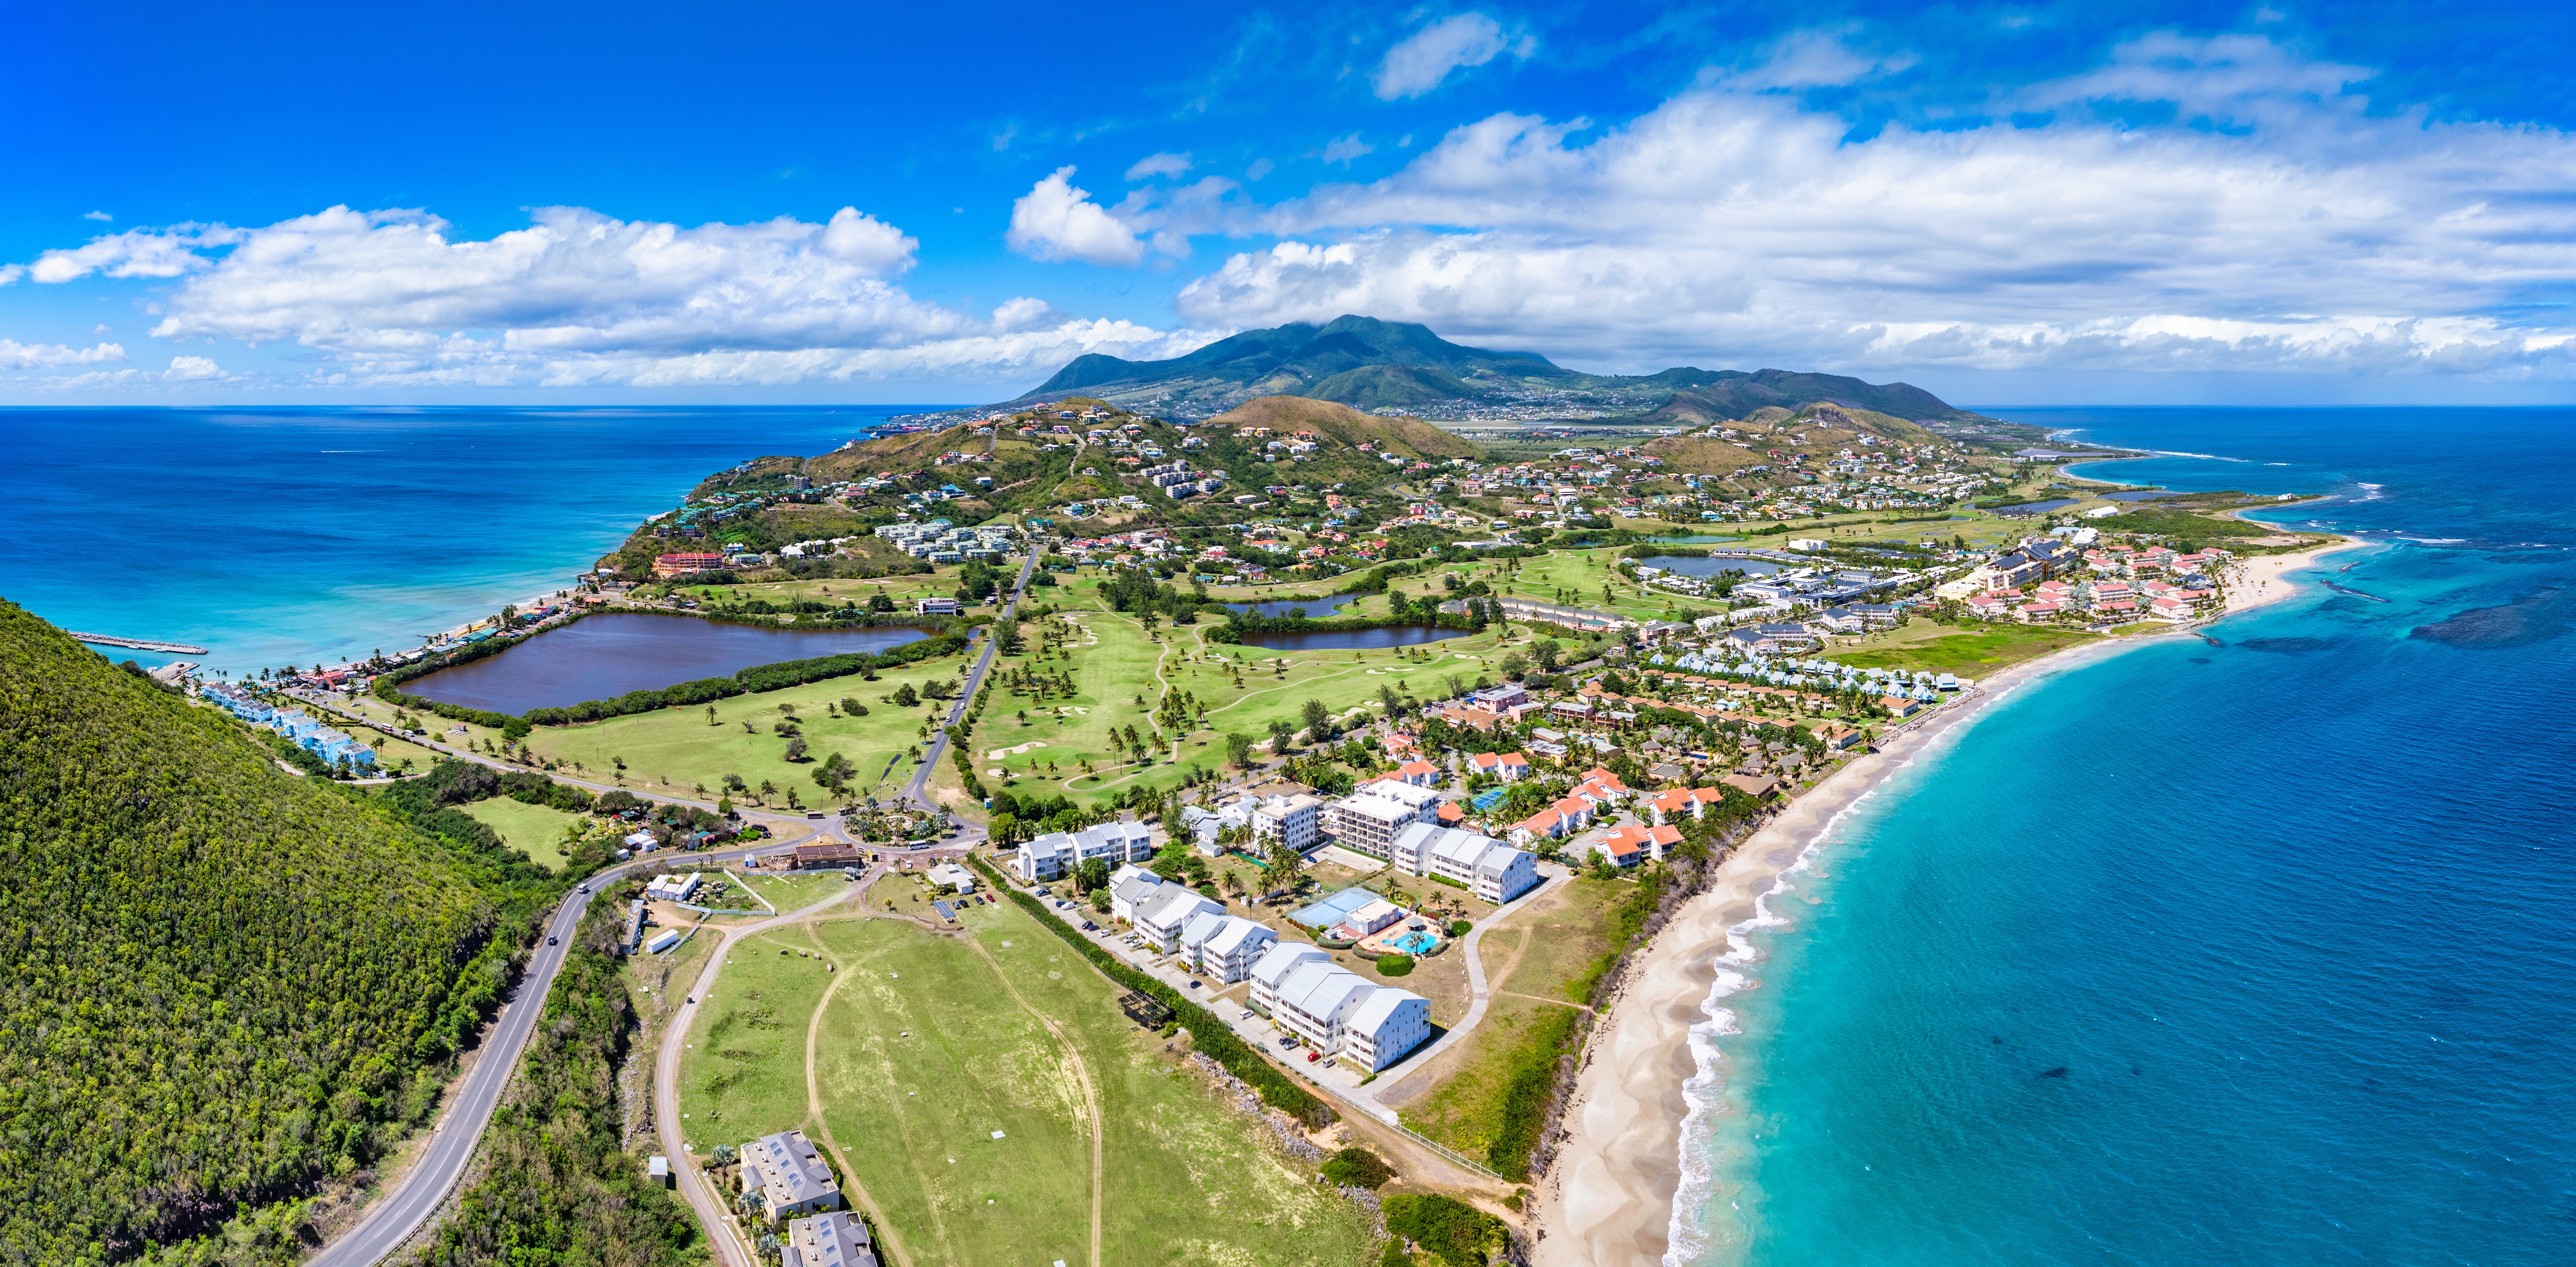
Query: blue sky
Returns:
{"type": "Point", "coordinates": [2004, 203]}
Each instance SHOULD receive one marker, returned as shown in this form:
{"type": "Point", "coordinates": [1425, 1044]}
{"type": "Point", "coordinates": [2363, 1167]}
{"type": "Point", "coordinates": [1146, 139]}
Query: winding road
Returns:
{"type": "Point", "coordinates": [396, 1214]}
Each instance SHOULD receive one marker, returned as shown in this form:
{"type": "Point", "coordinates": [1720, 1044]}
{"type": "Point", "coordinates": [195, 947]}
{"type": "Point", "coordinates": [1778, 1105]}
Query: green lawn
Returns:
{"type": "Point", "coordinates": [798, 891]}
{"type": "Point", "coordinates": [535, 830]}
{"type": "Point", "coordinates": [1548, 945]}
{"type": "Point", "coordinates": [924, 1054]}
{"type": "Point", "coordinates": [673, 751]}
{"type": "Point", "coordinates": [1924, 645]}
{"type": "Point", "coordinates": [743, 1073]}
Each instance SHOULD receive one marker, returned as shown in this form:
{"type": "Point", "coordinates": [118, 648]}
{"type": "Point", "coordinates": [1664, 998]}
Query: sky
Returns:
{"type": "Point", "coordinates": [2093, 203]}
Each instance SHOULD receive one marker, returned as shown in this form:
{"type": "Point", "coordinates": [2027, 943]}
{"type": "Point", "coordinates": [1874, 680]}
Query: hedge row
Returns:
{"type": "Point", "coordinates": [1244, 623]}
{"type": "Point", "coordinates": [1210, 1034]}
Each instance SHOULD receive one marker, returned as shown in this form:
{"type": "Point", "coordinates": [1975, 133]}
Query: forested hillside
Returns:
{"type": "Point", "coordinates": [222, 983]}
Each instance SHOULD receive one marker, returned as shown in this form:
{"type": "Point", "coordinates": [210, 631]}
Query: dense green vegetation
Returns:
{"type": "Point", "coordinates": [1448, 1229]}
{"type": "Point", "coordinates": [554, 1189]}
{"type": "Point", "coordinates": [226, 983]}
{"type": "Point", "coordinates": [1208, 1033]}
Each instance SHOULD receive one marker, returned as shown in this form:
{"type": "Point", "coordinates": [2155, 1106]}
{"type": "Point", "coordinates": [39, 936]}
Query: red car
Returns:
{"type": "Point", "coordinates": [1313, 1056]}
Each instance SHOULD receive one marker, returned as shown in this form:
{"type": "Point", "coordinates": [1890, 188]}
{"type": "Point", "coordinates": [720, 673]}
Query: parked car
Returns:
{"type": "Point", "coordinates": [1245, 1015]}
{"type": "Point", "coordinates": [1313, 1056]}
{"type": "Point", "coordinates": [1194, 981]}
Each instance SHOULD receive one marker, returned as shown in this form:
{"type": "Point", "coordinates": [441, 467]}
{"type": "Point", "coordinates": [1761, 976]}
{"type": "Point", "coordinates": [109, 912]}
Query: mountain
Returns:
{"type": "Point", "coordinates": [1348, 427]}
{"type": "Point", "coordinates": [1376, 366]}
{"type": "Point", "coordinates": [225, 982]}
{"type": "Point", "coordinates": [1285, 360]}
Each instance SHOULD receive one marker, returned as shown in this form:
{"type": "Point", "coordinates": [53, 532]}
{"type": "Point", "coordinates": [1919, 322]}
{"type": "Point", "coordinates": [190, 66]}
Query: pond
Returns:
{"type": "Point", "coordinates": [1688, 566]}
{"type": "Point", "coordinates": [601, 657]}
{"type": "Point", "coordinates": [1318, 608]}
{"type": "Point", "coordinates": [1689, 541]}
{"type": "Point", "coordinates": [2037, 508]}
{"type": "Point", "coordinates": [1343, 639]}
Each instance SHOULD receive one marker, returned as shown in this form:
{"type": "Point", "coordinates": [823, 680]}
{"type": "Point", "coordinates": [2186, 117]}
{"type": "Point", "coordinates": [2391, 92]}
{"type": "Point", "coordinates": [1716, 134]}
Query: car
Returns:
{"type": "Point", "coordinates": [1244, 1015]}
{"type": "Point", "coordinates": [1194, 981]}
{"type": "Point", "coordinates": [583, 889]}
{"type": "Point", "coordinates": [693, 998]}
{"type": "Point", "coordinates": [1285, 1040]}
{"type": "Point", "coordinates": [1313, 1056]}
{"type": "Point", "coordinates": [550, 939]}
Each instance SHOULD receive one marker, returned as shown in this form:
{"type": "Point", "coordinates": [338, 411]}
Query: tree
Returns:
{"type": "Point", "coordinates": [711, 714]}
{"type": "Point", "coordinates": [1238, 749]}
{"type": "Point", "coordinates": [1092, 874]}
{"type": "Point", "coordinates": [1007, 831]}
{"type": "Point", "coordinates": [767, 790]}
{"type": "Point", "coordinates": [1514, 665]}
{"type": "Point", "coordinates": [853, 708]}
{"type": "Point", "coordinates": [1547, 651]}
{"type": "Point", "coordinates": [1318, 719]}
{"type": "Point", "coordinates": [906, 697]}
{"type": "Point", "coordinates": [880, 603]}
{"type": "Point", "coordinates": [1280, 733]}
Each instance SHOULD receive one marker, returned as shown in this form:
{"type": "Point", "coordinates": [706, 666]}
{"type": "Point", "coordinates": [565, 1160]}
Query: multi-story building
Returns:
{"type": "Point", "coordinates": [1160, 915]}
{"type": "Point", "coordinates": [789, 1174]}
{"type": "Point", "coordinates": [1486, 867]}
{"type": "Point", "coordinates": [1369, 819]}
{"type": "Point", "coordinates": [1056, 854]}
{"type": "Point", "coordinates": [839, 1239]}
{"type": "Point", "coordinates": [1336, 1011]}
{"type": "Point", "coordinates": [1225, 946]}
{"type": "Point", "coordinates": [1292, 818]}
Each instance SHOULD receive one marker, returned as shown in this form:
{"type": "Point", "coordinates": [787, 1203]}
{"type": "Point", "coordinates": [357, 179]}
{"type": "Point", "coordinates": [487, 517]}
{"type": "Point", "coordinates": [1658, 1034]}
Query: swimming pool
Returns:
{"type": "Point", "coordinates": [1419, 942]}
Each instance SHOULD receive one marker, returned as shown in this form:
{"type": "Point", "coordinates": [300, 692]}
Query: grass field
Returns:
{"type": "Point", "coordinates": [1533, 960]}
{"type": "Point", "coordinates": [535, 830]}
{"type": "Point", "coordinates": [798, 891]}
{"type": "Point", "coordinates": [673, 751]}
{"type": "Point", "coordinates": [1924, 645]}
{"type": "Point", "coordinates": [743, 1073]}
{"type": "Point", "coordinates": [932, 1044]}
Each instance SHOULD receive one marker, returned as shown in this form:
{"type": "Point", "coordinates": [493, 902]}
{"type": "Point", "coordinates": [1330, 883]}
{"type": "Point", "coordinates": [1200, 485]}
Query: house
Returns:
{"type": "Point", "coordinates": [1506, 766]}
{"type": "Point", "coordinates": [1988, 606]}
{"type": "Point", "coordinates": [1756, 786]}
{"type": "Point", "coordinates": [1418, 773]}
{"type": "Point", "coordinates": [1899, 707]}
{"type": "Point", "coordinates": [1334, 1010]}
{"type": "Point", "coordinates": [1056, 854]}
{"type": "Point", "coordinates": [1600, 787]}
{"type": "Point", "coordinates": [1683, 802]}
{"type": "Point", "coordinates": [1630, 845]}
{"type": "Point", "coordinates": [1841, 620]}
{"type": "Point", "coordinates": [1225, 946]}
{"type": "Point", "coordinates": [936, 607]}
{"type": "Point", "coordinates": [677, 887]}
{"type": "Point", "coordinates": [788, 1173]}
{"type": "Point", "coordinates": [838, 1239]}
{"type": "Point", "coordinates": [1486, 867]}
{"type": "Point", "coordinates": [948, 874]}
{"type": "Point", "coordinates": [1369, 819]}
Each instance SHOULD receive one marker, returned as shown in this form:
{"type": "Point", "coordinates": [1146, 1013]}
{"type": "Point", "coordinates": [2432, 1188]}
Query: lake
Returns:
{"type": "Point", "coordinates": [1345, 639]}
{"type": "Point", "coordinates": [602, 657]}
{"type": "Point", "coordinates": [1689, 566]}
{"type": "Point", "coordinates": [1315, 608]}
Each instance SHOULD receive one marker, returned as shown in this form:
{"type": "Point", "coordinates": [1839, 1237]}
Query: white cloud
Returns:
{"type": "Point", "coordinates": [30, 356]}
{"type": "Point", "coordinates": [1055, 221]}
{"type": "Point", "coordinates": [393, 298]}
{"type": "Point", "coordinates": [100, 216]}
{"type": "Point", "coordinates": [1342, 149]}
{"type": "Point", "coordinates": [1731, 227]}
{"type": "Point", "coordinates": [1814, 59]}
{"type": "Point", "coordinates": [1419, 62]}
{"type": "Point", "coordinates": [1159, 165]}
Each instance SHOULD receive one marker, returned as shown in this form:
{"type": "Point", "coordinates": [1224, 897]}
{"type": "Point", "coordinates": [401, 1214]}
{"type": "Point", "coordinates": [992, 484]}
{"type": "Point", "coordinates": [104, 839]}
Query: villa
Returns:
{"type": "Point", "coordinates": [789, 1174]}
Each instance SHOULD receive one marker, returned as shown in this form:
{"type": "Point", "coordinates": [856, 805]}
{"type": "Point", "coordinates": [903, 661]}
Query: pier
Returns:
{"type": "Point", "coordinates": [138, 644]}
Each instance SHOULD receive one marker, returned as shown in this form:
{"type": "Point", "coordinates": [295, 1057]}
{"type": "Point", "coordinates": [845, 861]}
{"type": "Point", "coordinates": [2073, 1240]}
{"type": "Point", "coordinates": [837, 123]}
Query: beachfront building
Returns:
{"type": "Point", "coordinates": [1630, 845]}
{"type": "Point", "coordinates": [788, 1173]}
{"type": "Point", "coordinates": [1225, 946]}
{"type": "Point", "coordinates": [838, 1239]}
{"type": "Point", "coordinates": [687, 564]}
{"type": "Point", "coordinates": [1368, 819]}
{"type": "Point", "coordinates": [1336, 1011]}
{"type": "Point", "coordinates": [1486, 867]}
{"type": "Point", "coordinates": [1057, 853]}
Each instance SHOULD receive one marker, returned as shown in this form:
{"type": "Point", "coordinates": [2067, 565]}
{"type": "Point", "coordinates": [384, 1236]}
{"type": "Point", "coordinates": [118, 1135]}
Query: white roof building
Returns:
{"type": "Point", "coordinates": [788, 1171]}
{"type": "Point", "coordinates": [838, 1239]}
{"type": "Point", "coordinates": [1487, 867]}
{"type": "Point", "coordinates": [950, 873]}
{"type": "Point", "coordinates": [1057, 853]}
{"type": "Point", "coordinates": [676, 887]}
{"type": "Point", "coordinates": [1161, 915]}
{"type": "Point", "coordinates": [1369, 819]}
{"type": "Point", "coordinates": [1335, 1010]}
{"type": "Point", "coordinates": [1225, 946]}
{"type": "Point", "coordinates": [1293, 818]}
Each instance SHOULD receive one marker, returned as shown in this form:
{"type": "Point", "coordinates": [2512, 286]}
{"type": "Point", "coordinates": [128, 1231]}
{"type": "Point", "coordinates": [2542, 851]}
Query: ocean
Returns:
{"type": "Point", "coordinates": [277, 536]}
{"type": "Point", "coordinates": [2252, 950]}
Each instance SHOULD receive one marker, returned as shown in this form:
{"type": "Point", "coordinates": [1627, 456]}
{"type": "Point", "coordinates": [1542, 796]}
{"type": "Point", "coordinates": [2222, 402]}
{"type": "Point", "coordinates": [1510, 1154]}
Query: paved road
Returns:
{"type": "Point", "coordinates": [397, 1213]}
{"type": "Point", "coordinates": [914, 790]}
{"type": "Point", "coordinates": [709, 1204]}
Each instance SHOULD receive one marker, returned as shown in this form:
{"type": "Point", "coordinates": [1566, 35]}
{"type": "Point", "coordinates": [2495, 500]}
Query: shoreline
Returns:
{"type": "Point", "coordinates": [1648, 1078]}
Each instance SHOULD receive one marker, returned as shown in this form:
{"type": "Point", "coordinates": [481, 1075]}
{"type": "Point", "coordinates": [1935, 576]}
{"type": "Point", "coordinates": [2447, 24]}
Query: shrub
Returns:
{"type": "Point", "coordinates": [1453, 1231]}
{"type": "Point", "coordinates": [1357, 1167]}
{"type": "Point", "coordinates": [1460, 928]}
{"type": "Point", "coordinates": [1394, 965]}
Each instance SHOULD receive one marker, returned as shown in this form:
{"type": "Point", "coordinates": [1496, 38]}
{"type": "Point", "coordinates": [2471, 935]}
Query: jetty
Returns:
{"type": "Point", "coordinates": [139, 644]}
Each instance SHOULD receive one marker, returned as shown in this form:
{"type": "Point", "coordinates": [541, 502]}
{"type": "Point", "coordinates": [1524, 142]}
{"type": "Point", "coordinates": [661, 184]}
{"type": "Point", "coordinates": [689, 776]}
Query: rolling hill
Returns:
{"type": "Point", "coordinates": [1381, 366]}
{"type": "Point", "coordinates": [1343, 425]}
{"type": "Point", "coordinates": [224, 982]}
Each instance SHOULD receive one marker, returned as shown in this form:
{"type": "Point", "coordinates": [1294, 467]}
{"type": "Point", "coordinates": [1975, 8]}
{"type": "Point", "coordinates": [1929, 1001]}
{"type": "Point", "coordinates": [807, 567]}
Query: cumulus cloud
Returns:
{"type": "Point", "coordinates": [100, 216]}
{"type": "Point", "coordinates": [1342, 149]}
{"type": "Point", "coordinates": [1419, 62]}
{"type": "Point", "coordinates": [30, 356]}
{"type": "Point", "coordinates": [1056, 221]}
{"type": "Point", "coordinates": [1731, 226]}
{"type": "Point", "coordinates": [394, 298]}
{"type": "Point", "coordinates": [1159, 165]}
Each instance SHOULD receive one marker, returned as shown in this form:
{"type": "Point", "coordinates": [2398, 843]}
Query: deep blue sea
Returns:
{"type": "Point", "coordinates": [278, 536]}
{"type": "Point", "coordinates": [2260, 953]}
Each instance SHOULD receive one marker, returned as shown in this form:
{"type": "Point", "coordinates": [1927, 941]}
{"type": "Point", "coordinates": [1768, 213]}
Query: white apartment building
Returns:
{"type": "Point", "coordinates": [1225, 946]}
{"type": "Point", "coordinates": [788, 1172]}
{"type": "Point", "coordinates": [1336, 1011]}
{"type": "Point", "coordinates": [1293, 818]}
{"type": "Point", "coordinates": [1371, 818]}
{"type": "Point", "coordinates": [827, 1240]}
{"type": "Point", "coordinates": [1161, 915]}
{"type": "Point", "coordinates": [1487, 867]}
{"type": "Point", "coordinates": [1055, 854]}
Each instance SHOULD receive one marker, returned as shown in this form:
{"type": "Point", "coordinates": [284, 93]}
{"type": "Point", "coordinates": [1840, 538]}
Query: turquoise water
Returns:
{"type": "Point", "coordinates": [291, 536]}
{"type": "Point", "coordinates": [1415, 943]}
{"type": "Point", "coordinates": [2256, 952]}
